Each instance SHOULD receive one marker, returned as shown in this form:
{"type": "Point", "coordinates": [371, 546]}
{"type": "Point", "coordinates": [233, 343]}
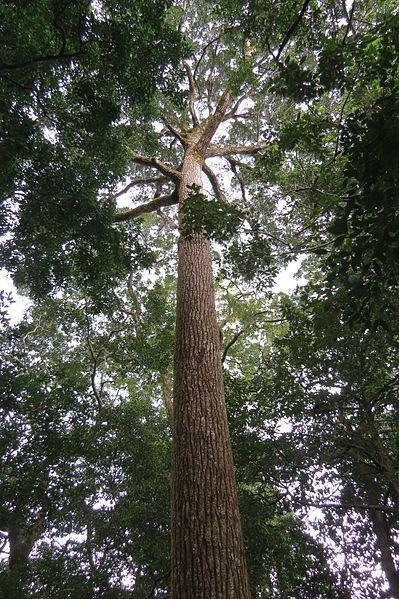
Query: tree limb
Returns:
{"type": "Point", "coordinates": [93, 373]}
{"type": "Point", "coordinates": [151, 206]}
{"type": "Point", "coordinates": [140, 181]}
{"type": "Point", "coordinates": [213, 151]}
{"type": "Point", "coordinates": [167, 396]}
{"type": "Point", "coordinates": [40, 59]}
{"type": "Point", "coordinates": [349, 506]}
{"type": "Point", "coordinates": [238, 334]}
{"type": "Point", "coordinates": [191, 94]}
{"type": "Point", "coordinates": [205, 48]}
{"type": "Point", "coordinates": [153, 162]}
{"type": "Point", "coordinates": [232, 113]}
{"type": "Point", "coordinates": [349, 18]}
{"type": "Point", "coordinates": [166, 219]}
{"type": "Point", "coordinates": [233, 166]}
{"type": "Point", "coordinates": [156, 581]}
{"type": "Point", "coordinates": [137, 308]}
{"type": "Point", "coordinates": [213, 121]}
{"type": "Point", "coordinates": [174, 132]}
{"type": "Point", "coordinates": [292, 29]}
{"type": "Point", "coordinates": [213, 181]}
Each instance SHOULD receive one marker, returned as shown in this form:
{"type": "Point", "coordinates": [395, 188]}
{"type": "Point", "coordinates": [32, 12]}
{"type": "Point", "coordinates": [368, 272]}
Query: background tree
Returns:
{"type": "Point", "coordinates": [86, 485]}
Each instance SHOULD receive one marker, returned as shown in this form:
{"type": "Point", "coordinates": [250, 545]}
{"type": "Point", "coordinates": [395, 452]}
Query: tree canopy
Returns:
{"type": "Point", "coordinates": [248, 135]}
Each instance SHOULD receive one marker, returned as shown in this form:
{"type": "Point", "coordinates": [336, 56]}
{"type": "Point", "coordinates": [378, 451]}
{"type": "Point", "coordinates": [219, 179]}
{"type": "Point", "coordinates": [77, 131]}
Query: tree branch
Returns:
{"type": "Point", "coordinates": [232, 113]}
{"type": "Point", "coordinates": [151, 206]}
{"type": "Point", "coordinates": [205, 48]}
{"type": "Point", "coordinates": [153, 162]}
{"type": "Point", "coordinates": [167, 396]}
{"type": "Point", "coordinates": [292, 29]}
{"type": "Point", "coordinates": [40, 59]}
{"type": "Point", "coordinates": [137, 307]}
{"type": "Point", "coordinates": [156, 581]}
{"type": "Point", "coordinates": [191, 94]}
{"type": "Point", "coordinates": [140, 181]}
{"type": "Point", "coordinates": [238, 334]}
{"type": "Point", "coordinates": [233, 166]}
{"type": "Point", "coordinates": [213, 121]}
{"type": "Point", "coordinates": [174, 132]}
{"type": "Point", "coordinates": [213, 151]}
{"type": "Point", "coordinates": [166, 220]}
{"type": "Point", "coordinates": [349, 506]}
{"type": "Point", "coordinates": [93, 373]}
{"type": "Point", "coordinates": [349, 18]}
{"type": "Point", "coordinates": [214, 182]}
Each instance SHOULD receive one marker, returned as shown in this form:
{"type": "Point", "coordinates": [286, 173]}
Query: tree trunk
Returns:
{"type": "Point", "coordinates": [384, 543]}
{"type": "Point", "coordinates": [208, 560]}
{"type": "Point", "coordinates": [21, 544]}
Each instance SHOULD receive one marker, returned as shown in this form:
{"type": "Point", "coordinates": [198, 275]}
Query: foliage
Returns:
{"type": "Point", "coordinates": [335, 387]}
{"type": "Point", "coordinates": [218, 220]}
{"type": "Point", "coordinates": [311, 394]}
{"type": "Point", "coordinates": [71, 92]}
{"type": "Point", "coordinates": [366, 225]}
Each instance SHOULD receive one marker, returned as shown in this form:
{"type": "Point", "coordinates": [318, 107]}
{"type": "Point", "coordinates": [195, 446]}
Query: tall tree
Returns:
{"type": "Point", "coordinates": [230, 109]}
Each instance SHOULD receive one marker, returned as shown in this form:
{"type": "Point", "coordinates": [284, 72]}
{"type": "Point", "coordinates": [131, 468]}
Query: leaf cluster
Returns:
{"type": "Point", "coordinates": [212, 216]}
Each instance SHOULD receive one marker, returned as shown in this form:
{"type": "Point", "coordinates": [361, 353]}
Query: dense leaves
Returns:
{"type": "Point", "coordinates": [74, 78]}
{"type": "Point", "coordinates": [311, 150]}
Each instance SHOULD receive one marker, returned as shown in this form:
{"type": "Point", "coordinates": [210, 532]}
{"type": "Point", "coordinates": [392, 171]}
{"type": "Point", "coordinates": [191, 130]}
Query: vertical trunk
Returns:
{"type": "Point", "coordinates": [381, 526]}
{"type": "Point", "coordinates": [208, 560]}
{"type": "Point", "coordinates": [384, 543]}
{"type": "Point", "coordinates": [21, 544]}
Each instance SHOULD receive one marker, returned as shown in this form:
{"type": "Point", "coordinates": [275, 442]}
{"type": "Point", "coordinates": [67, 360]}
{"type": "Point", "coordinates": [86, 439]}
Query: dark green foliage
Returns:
{"type": "Point", "coordinates": [215, 218]}
{"type": "Point", "coordinates": [70, 90]}
{"type": "Point", "coordinates": [250, 259]}
{"type": "Point", "coordinates": [367, 225]}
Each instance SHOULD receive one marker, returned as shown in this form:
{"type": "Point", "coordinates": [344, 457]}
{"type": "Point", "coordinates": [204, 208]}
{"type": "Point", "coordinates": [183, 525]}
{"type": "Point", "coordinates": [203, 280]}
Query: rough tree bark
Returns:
{"type": "Point", "coordinates": [21, 544]}
{"type": "Point", "coordinates": [208, 560]}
